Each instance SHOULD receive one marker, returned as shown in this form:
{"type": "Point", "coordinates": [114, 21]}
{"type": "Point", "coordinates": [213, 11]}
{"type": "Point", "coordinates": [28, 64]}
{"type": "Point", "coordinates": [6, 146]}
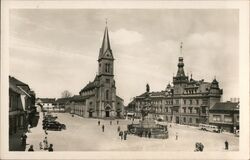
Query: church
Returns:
{"type": "Point", "coordinates": [98, 98]}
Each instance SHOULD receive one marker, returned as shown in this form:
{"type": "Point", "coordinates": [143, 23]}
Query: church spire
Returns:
{"type": "Point", "coordinates": [105, 44]}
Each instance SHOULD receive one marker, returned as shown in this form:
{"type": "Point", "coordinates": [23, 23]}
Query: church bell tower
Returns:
{"type": "Point", "coordinates": [107, 89]}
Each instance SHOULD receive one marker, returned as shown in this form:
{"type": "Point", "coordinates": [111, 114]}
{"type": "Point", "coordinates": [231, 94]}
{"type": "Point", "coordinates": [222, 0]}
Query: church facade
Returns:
{"type": "Point", "coordinates": [98, 98]}
{"type": "Point", "coordinates": [185, 101]}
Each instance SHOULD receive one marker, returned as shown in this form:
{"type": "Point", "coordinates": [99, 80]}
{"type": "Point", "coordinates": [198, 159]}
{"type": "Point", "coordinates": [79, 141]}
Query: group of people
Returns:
{"type": "Point", "coordinates": [123, 134]}
{"type": "Point", "coordinates": [103, 127]}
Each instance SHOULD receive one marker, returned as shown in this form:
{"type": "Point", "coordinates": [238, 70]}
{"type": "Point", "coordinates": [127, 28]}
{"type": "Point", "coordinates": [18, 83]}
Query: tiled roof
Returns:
{"type": "Point", "coordinates": [90, 85]}
{"type": "Point", "coordinates": [225, 106]}
{"type": "Point", "coordinates": [16, 82]}
{"type": "Point", "coordinates": [119, 98]}
{"type": "Point", "coordinates": [63, 100]}
{"type": "Point", "coordinates": [47, 100]}
{"type": "Point", "coordinates": [78, 98]}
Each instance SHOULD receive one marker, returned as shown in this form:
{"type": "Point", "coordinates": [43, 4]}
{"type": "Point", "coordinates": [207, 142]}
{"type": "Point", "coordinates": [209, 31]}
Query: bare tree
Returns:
{"type": "Point", "coordinates": [66, 94]}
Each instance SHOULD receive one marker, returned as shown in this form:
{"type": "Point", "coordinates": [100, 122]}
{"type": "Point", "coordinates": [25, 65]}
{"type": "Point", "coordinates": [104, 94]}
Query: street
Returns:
{"type": "Point", "coordinates": [84, 134]}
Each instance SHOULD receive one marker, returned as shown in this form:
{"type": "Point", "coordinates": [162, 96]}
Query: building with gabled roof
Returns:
{"type": "Point", "coordinates": [225, 115]}
{"type": "Point", "coordinates": [98, 98]}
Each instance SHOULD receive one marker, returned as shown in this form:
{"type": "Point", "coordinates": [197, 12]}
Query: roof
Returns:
{"type": "Point", "coordinates": [119, 98]}
{"type": "Point", "coordinates": [78, 98]}
{"type": "Point", "coordinates": [47, 100]}
{"type": "Point", "coordinates": [63, 100]}
{"type": "Point", "coordinates": [225, 106]}
{"type": "Point", "coordinates": [105, 44]}
{"type": "Point", "coordinates": [16, 86]}
{"type": "Point", "coordinates": [90, 85]}
{"type": "Point", "coordinates": [17, 82]}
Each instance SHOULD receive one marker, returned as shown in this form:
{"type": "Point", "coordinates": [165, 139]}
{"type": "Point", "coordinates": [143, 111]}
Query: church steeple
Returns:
{"type": "Point", "coordinates": [105, 50]}
{"type": "Point", "coordinates": [106, 59]}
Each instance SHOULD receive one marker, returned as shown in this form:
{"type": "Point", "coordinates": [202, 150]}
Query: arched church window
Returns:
{"type": "Point", "coordinates": [107, 94]}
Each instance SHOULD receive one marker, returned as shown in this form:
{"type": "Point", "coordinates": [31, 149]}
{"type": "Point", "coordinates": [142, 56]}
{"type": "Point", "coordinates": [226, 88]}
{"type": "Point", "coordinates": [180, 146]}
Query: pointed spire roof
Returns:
{"type": "Point", "coordinates": [105, 44]}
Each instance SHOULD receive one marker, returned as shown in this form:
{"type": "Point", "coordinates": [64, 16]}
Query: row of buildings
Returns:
{"type": "Point", "coordinates": [185, 101]}
{"type": "Point", "coordinates": [188, 101]}
{"type": "Point", "coordinates": [22, 111]}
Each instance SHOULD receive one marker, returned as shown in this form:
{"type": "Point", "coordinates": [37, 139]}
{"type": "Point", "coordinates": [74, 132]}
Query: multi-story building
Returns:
{"type": "Point", "coordinates": [48, 104]}
{"type": "Point", "coordinates": [225, 115]}
{"type": "Point", "coordinates": [186, 101]}
{"type": "Point", "coordinates": [21, 111]}
{"type": "Point", "coordinates": [98, 98]}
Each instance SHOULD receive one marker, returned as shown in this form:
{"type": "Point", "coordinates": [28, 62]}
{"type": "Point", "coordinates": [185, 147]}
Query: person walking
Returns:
{"type": "Point", "coordinates": [103, 128]}
{"type": "Point", "coordinates": [24, 138]}
{"type": "Point", "coordinates": [99, 123]}
{"type": "Point", "coordinates": [121, 134]}
{"type": "Point", "coordinates": [149, 134]}
{"type": "Point", "coordinates": [45, 142]}
{"type": "Point", "coordinates": [125, 135]}
{"type": "Point", "coordinates": [110, 122]}
{"type": "Point", "coordinates": [51, 148]}
{"type": "Point", "coordinates": [117, 122]}
{"type": "Point", "coordinates": [40, 145]}
{"type": "Point", "coordinates": [176, 136]}
{"type": "Point", "coordinates": [226, 145]}
{"type": "Point", "coordinates": [31, 149]}
{"type": "Point", "coordinates": [118, 129]}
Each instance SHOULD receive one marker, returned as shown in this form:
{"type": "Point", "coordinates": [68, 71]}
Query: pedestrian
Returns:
{"type": "Point", "coordinates": [146, 133]}
{"type": "Point", "coordinates": [31, 148]}
{"type": "Point", "coordinates": [121, 134]}
{"type": "Point", "coordinates": [149, 134]}
{"type": "Point", "coordinates": [110, 122]}
{"type": "Point", "coordinates": [103, 128]}
{"type": "Point", "coordinates": [24, 138]}
{"type": "Point", "coordinates": [176, 136]}
{"type": "Point", "coordinates": [125, 135]}
{"type": "Point", "coordinates": [99, 123]}
{"type": "Point", "coordinates": [117, 122]}
{"type": "Point", "coordinates": [29, 128]}
{"type": "Point", "coordinates": [118, 129]}
{"type": "Point", "coordinates": [40, 145]}
{"type": "Point", "coordinates": [226, 145]}
{"type": "Point", "coordinates": [51, 148]}
{"type": "Point", "coordinates": [170, 126]}
{"type": "Point", "coordinates": [45, 131]}
{"type": "Point", "coordinates": [45, 142]}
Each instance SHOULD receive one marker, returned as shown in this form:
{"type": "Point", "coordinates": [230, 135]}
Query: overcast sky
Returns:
{"type": "Point", "coordinates": [56, 50]}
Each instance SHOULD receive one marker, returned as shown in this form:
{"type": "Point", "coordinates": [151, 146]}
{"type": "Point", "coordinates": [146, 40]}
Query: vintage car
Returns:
{"type": "Point", "coordinates": [46, 124]}
{"type": "Point", "coordinates": [52, 126]}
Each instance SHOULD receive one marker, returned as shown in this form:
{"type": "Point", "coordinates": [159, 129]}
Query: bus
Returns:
{"type": "Point", "coordinates": [207, 127]}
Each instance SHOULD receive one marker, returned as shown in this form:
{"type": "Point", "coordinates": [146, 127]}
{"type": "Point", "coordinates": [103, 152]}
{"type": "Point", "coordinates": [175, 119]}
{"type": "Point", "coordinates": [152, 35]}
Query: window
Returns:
{"type": "Point", "coordinates": [166, 118]}
{"type": "Point", "coordinates": [184, 119]}
{"type": "Point", "coordinates": [166, 109]}
{"type": "Point", "coordinates": [176, 101]}
{"type": "Point", "coordinates": [184, 109]}
{"type": "Point", "coordinates": [190, 101]}
{"type": "Point", "coordinates": [107, 67]}
{"type": "Point", "coordinates": [107, 80]}
{"type": "Point", "coordinates": [190, 109]}
{"type": "Point", "coordinates": [197, 110]}
{"type": "Point", "coordinates": [237, 119]}
{"type": "Point", "coordinates": [197, 120]}
{"type": "Point", "coordinates": [184, 101]}
{"type": "Point", "coordinates": [216, 118]}
{"type": "Point", "coordinates": [197, 101]}
{"type": "Point", "coordinates": [228, 118]}
{"type": "Point", "coordinates": [107, 94]}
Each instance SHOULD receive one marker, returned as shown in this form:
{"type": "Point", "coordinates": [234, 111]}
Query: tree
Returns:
{"type": "Point", "coordinates": [66, 94]}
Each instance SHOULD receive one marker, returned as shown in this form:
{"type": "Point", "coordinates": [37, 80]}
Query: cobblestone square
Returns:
{"type": "Point", "coordinates": [84, 134]}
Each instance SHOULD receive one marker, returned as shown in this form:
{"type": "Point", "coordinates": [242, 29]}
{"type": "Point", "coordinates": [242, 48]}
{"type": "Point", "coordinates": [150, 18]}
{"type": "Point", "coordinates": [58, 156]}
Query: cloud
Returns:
{"type": "Point", "coordinates": [125, 37]}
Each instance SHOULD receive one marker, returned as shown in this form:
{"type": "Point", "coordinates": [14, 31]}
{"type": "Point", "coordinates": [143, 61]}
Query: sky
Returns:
{"type": "Point", "coordinates": [54, 50]}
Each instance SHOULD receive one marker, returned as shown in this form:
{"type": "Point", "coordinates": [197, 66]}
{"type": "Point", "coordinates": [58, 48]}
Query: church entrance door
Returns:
{"type": "Point", "coordinates": [107, 113]}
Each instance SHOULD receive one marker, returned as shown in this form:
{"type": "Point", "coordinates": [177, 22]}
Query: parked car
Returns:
{"type": "Point", "coordinates": [62, 126]}
{"type": "Point", "coordinates": [53, 126]}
